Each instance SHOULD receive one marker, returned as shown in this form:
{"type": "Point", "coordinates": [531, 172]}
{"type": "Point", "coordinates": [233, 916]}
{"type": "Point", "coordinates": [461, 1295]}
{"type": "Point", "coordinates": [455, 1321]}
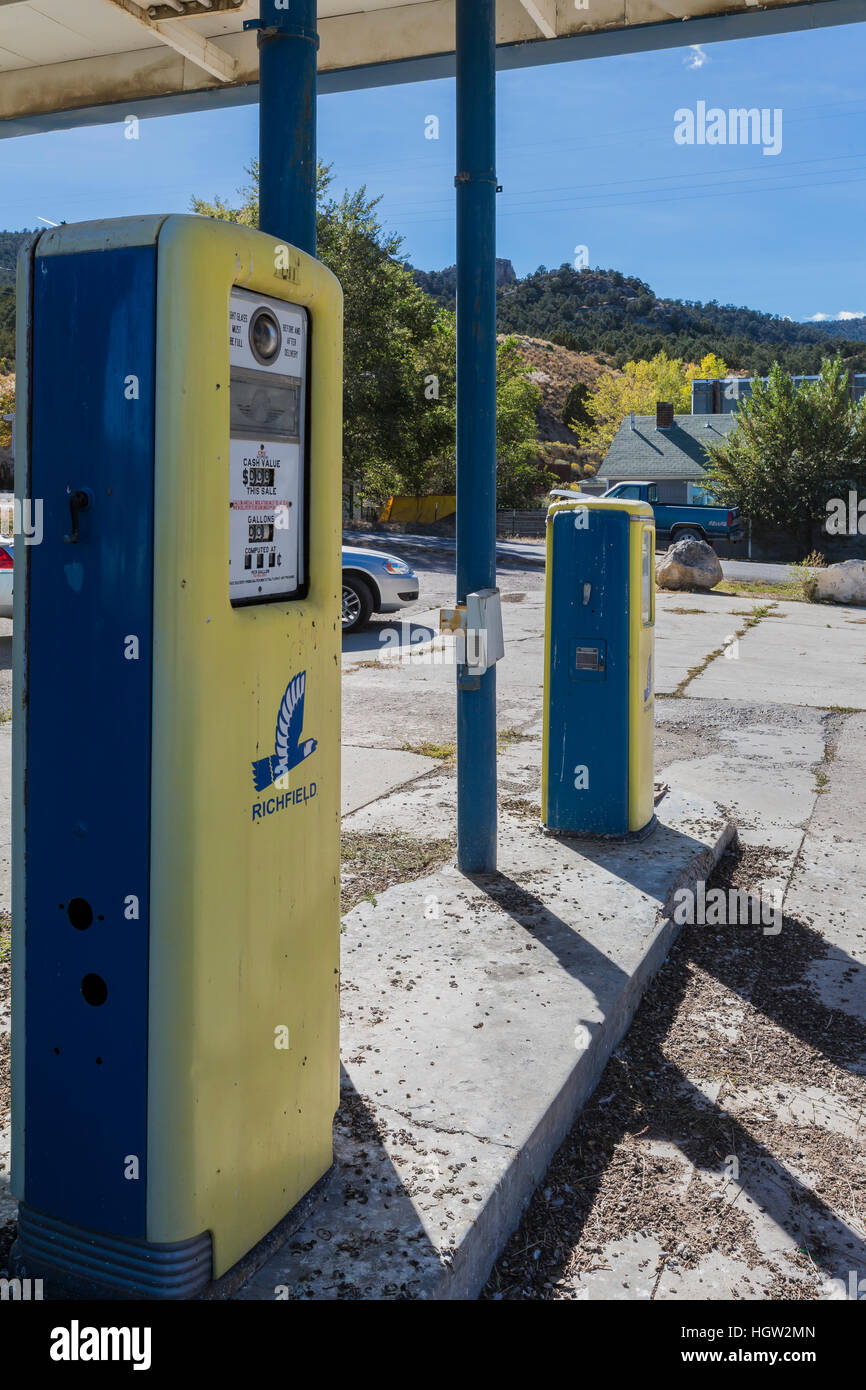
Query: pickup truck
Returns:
{"type": "Point", "coordinates": [679, 521]}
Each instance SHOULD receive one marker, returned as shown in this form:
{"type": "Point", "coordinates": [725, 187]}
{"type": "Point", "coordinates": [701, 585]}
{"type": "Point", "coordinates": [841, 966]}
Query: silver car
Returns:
{"type": "Point", "coordinates": [374, 582]}
{"type": "Point", "coordinates": [7, 549]}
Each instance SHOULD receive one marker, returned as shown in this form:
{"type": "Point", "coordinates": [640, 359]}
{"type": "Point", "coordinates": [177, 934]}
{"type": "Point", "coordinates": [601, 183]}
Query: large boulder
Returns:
{"type": "Point", "coordinates": [689, 564]}
{"type": "Point", "coordinates": [844, 583]}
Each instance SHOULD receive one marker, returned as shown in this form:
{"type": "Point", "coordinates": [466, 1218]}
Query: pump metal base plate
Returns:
{"type": "Point", "coordinates": [77, 1263]}
{"type": "Point", "coordinates": [629, 837]}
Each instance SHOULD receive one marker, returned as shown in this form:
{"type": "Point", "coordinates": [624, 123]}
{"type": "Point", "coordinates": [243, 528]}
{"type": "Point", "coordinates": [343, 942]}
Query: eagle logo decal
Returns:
{"type": "Point", "coordinates": [288, 749]}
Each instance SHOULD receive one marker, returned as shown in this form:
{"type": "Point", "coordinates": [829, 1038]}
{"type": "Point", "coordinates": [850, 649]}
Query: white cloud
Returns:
{"type": "Point", "coordinates": [696, 57]}
{"type": "Point", "coordinates": [837, 318]}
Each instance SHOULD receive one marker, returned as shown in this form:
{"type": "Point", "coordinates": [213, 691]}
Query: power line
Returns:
{"type": "Point", "coordinates": [760, 177]}
{"type": "Point", "coordinates": [409, 220]}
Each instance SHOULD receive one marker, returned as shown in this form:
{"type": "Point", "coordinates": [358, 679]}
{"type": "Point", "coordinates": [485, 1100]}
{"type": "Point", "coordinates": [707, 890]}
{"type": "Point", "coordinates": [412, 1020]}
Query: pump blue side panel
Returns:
{"type": "Point", "coordinates": [88, 739]}
{"type": "Point", "coordinates": [589, 707]}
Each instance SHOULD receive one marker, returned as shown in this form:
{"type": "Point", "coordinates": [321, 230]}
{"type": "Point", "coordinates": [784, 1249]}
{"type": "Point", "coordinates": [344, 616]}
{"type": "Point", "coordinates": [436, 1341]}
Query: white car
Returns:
{"type": "Point", "coordinates": [6, 552]}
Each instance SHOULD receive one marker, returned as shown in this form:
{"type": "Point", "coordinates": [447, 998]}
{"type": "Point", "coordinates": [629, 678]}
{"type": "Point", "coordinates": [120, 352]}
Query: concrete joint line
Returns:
{"type": "Point", "coordinates": [708, 660]}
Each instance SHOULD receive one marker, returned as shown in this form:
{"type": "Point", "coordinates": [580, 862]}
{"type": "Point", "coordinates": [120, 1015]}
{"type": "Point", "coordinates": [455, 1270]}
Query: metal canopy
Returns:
{"type": "Point", "coordinates": [63, 61]}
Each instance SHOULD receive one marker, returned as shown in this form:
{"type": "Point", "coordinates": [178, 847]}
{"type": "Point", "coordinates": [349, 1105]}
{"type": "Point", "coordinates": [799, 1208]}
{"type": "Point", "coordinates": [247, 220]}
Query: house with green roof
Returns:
{"type": "Point", "coordinates": [666, 449]}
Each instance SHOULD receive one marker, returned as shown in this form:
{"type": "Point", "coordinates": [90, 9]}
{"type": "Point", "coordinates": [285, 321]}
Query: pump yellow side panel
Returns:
{"type": "Point", "coordinates": [641, 693]}
{"type": "Point", "coordinates": [244, 914]}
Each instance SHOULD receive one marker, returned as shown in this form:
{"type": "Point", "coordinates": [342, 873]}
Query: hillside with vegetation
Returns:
{"type": "Point", "coordinates": [578, 350]}
{"type": "Point", "coordinates": [441, 285]}
{"type": "Point", "coordinates": [617, 315]}
{"type": "Point", "coordinates": [565, 379]}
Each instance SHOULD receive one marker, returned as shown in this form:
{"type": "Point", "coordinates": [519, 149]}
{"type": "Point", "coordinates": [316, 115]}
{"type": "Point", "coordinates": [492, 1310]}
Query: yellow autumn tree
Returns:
{"type": "Point", "coordinates": [709, 367]}
{"type": "Point", "coordinates": [7, 407]}
{"type": "Point", "coordinates": [638, 388]}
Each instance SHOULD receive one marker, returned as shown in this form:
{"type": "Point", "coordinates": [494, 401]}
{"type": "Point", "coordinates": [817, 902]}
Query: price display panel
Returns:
{"type": "Point", "coordinates": [268, 359]}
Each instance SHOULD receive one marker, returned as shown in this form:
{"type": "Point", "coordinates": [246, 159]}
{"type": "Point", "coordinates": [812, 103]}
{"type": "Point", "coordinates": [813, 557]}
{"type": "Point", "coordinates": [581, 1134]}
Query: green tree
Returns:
{"type": "Point", "coordinates": [390, 335]}
{"type": "Point", "coordinates": [518, 476]}
{"type": "Point", "coordinates": [574, 411]}
{"type": "Point", "coordinates": [519, 479]}
{"type": "Point", "coordinates": [7, 326]}
{"type": "Point", "coordinates": [792, 450]}
{"type": "Point", "coordinates": [426, 462]}
{"type": "Point", "coordinates": [399, 355]}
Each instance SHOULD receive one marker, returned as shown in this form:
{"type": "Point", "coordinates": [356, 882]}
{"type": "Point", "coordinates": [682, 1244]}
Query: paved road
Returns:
{"type": "Point", "coordinates": [748, 569]}
{"type": "Point", "coordinates": [531, 553]}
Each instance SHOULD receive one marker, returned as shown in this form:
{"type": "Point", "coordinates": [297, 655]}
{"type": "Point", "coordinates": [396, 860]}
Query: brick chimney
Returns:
{"type": "Point", "coordinates": [664, 415]}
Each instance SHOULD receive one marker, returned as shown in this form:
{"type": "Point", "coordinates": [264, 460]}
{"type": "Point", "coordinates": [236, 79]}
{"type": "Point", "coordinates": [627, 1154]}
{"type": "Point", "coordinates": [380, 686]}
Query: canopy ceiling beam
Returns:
{"type": "Point", "coordinates": [189, 9]}
{"type": "Point", "coordinates": [188, 42]}
{"type": "Point", "coordinates": [543, 12]}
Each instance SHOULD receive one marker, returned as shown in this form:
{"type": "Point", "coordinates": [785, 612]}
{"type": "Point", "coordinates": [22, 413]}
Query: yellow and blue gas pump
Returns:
{"type": "Point", "coordinates": [176, 749]}
{"type": "Point", "coordinates": [597, 757]}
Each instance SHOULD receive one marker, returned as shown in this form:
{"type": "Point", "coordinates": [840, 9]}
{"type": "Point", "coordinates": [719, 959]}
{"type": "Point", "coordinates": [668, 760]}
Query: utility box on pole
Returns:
{"type": "Point", "coordinates": [176, 784]}
{"type": "Point", "coordinates": [597, 774]}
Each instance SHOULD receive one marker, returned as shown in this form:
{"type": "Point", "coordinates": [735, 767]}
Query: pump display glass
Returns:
{"type": "Point", "coordinates": [268, 358]}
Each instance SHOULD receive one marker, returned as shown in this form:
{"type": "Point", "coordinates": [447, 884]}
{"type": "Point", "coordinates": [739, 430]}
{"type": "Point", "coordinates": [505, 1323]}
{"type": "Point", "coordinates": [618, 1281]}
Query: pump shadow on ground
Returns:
{"type": "Point", "coordinates": [646, 864]}
{"type": "Point", "coordinates": [648, 872]}
{"type": "Point", "coordinates": [642, 1092]}
{"type": "Point", "coordinates": [383, 638]}
{"type": "Point", "coordinates": [364, 1237]}
{"type": "Point", "coordinates": [576, 955]}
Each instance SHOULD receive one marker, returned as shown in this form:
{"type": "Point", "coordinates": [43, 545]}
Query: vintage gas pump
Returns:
{"type": "Point", "coordinates": [176, 749]}
{"type": "Point", "coordinates": [597, 757]}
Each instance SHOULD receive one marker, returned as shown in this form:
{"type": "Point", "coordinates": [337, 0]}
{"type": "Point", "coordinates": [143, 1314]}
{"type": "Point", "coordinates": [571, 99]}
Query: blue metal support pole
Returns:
{"type": "Point", "coordinates": [288, 44]}
{"type": "Point", "coordinates": [476, 416]}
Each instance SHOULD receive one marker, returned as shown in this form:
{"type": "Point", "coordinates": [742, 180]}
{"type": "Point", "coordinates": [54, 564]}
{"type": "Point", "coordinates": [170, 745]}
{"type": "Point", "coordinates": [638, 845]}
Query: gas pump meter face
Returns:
{"type": "Point", "coordinates": [268, 341]}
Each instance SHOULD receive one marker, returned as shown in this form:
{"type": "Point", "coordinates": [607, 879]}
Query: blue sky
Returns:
{"type": "Point", "coordinates": [587, 157]}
